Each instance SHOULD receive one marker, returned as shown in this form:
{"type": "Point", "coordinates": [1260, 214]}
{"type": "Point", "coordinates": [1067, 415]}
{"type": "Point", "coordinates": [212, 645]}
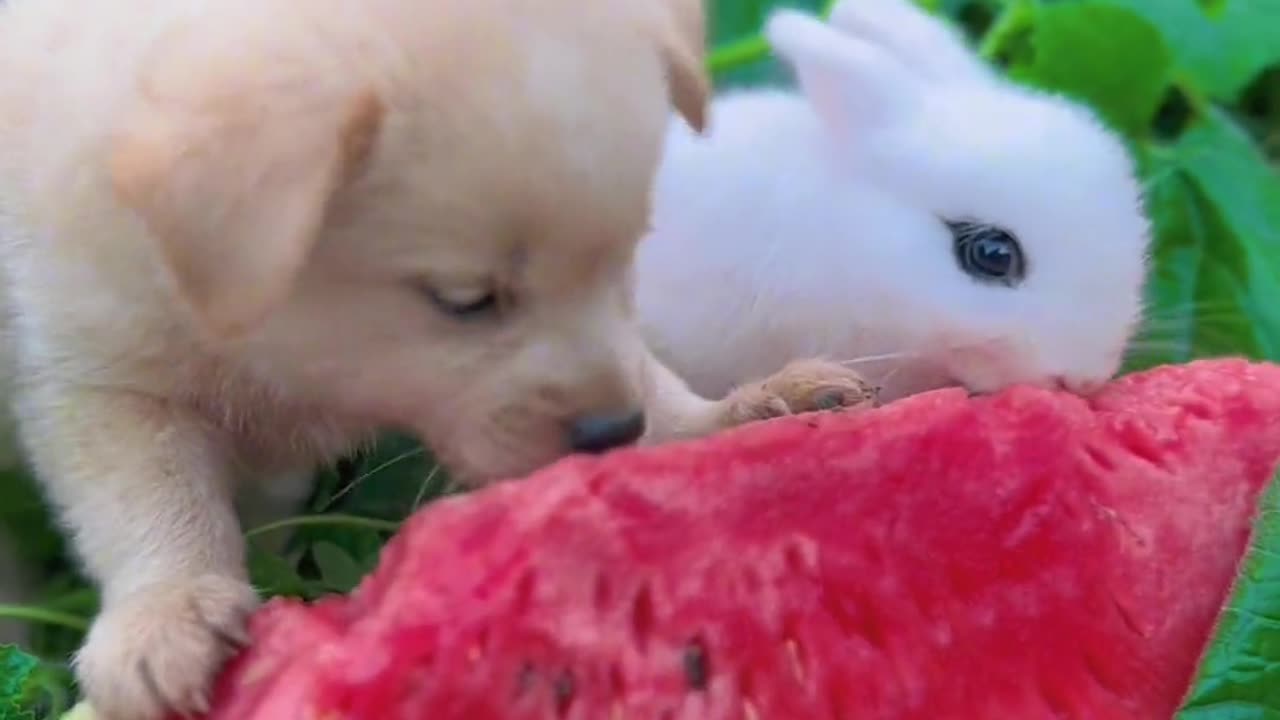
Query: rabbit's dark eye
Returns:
{"type": "Point", "coordinates": [988, 253]}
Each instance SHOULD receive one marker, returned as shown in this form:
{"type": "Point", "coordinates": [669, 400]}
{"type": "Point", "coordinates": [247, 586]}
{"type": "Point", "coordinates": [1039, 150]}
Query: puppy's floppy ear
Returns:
{"type": "Point", "coordinates": [230, 162]}
{"type": "Point", "coordinates": [682, 41]}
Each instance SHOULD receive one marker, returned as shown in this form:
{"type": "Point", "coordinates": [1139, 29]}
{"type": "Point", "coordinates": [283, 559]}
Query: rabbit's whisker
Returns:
{"type": "Point", "coordinates": [905, 354]}
{"type": "Point", "coordinates": [875, 358]}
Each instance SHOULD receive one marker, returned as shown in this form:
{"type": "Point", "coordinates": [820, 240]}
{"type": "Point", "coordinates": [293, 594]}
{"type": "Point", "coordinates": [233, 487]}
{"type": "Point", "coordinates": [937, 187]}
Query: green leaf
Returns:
{"type": "Point", "coordinates": [1196, 308]}
{"type": "Point", "coordinates": [273, 575]}
{"type": "Point", "coordinates": [1245, 189]}
{"type": "Point", "coordinates": [1239, 676]}
{"type": "Point", "coordinates": [1219, 48]}
{"type": "Point", "coordinates": [1070, 56]}
{"type": "Point", "coordinates": [1215, 202]}
{"type": "Point", "coordinates": [734, 19]}
{"type": "Point", "coordinates": [339, 571]}
{"type": "Point", "coordinates": [16, 672]}
{"type": "Point", "coordinates": [1182, 219]}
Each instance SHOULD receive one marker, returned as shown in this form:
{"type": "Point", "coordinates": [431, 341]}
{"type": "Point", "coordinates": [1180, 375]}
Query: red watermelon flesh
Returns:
{"type": "Point", "coordinates": [1020, 556]}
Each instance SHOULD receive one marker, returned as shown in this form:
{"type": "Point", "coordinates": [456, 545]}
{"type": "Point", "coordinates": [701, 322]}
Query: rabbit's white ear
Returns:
{"type": "Point", "coordinates": [852, 84]}
{"type": "Point", "coordinates": [928, 44]}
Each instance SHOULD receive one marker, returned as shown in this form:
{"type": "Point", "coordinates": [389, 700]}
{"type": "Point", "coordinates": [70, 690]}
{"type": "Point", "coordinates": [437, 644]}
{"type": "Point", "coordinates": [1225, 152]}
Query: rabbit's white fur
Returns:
{"type": "Point", "coordinates": [810, 222]}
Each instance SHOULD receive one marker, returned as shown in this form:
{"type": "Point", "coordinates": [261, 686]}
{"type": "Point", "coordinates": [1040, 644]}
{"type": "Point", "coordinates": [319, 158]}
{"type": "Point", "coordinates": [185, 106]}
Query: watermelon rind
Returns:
{"type": "Point", "coordinates": [1239, 676]}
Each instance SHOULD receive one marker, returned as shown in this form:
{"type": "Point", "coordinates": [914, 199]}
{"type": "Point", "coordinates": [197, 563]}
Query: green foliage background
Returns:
{"type": "Point", "coordinates": [1194, 87]}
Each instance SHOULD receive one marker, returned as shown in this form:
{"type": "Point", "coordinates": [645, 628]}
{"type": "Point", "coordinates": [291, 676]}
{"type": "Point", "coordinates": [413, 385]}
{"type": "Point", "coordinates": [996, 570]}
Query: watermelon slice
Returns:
{"type": "Point", "coordinates": [1013, 557]}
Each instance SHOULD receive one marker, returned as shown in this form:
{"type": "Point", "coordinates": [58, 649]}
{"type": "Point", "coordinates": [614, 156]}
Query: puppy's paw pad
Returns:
{"type": "Point", "coordinates": [813, 385]}
{"type": "Point", "coordinates": [802, 386]}
{"type": "Point", "coordinates": [160, 650]}
{"type": "Point", "coordinates": [753, 403]}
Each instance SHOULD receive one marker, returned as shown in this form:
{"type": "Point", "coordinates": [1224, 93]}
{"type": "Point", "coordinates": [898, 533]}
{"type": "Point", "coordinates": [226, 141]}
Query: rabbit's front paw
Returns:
{"type": "Point", "coordinates": [159, 650]}
{"type": "Point", "coordinates": [802, 386]}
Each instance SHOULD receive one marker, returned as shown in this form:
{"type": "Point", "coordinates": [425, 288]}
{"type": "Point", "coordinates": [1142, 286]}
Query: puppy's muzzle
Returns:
{"type": "Point", "coordinates": [599, 432]}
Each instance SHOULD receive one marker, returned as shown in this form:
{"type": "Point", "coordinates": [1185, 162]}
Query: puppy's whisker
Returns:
{"type": "Point", "coordinates": [385, 465]}
{"type": "Point", "coordinates": [426, 482]}
{"type": "Point", "coordinates": [452, 486]}
{"type": "Point", "coordinates": [884, 380]}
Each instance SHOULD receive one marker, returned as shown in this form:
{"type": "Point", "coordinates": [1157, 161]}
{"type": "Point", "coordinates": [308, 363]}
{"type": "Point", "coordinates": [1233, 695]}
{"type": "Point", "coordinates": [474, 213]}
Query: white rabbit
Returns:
{"type": "Point", "coordinates": [906, 201]}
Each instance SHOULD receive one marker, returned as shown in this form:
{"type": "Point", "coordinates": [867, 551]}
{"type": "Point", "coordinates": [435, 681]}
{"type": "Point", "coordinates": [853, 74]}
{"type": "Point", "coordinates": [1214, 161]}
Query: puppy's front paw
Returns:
{"type": "Point", "coordinates": [802, 386]}
{"type": "Point", "coordinates": [159, 650]}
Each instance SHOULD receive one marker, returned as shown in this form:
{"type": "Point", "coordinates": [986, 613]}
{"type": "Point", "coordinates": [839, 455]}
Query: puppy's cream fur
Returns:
{"type": "Point", "coordinates": [229, 226]}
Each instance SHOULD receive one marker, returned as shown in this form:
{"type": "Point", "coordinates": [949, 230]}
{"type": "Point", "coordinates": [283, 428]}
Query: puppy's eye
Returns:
{"type": "Point", "coordinates": [988, 253]}
{"type": "Point", "coordinates": [463, 304]}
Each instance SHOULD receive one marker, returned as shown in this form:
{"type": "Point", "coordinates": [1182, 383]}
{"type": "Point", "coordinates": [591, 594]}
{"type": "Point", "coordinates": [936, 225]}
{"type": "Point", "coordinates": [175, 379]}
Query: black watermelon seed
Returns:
{"type": "Point", "coordinates": [564, 692]}
{"type": "Point", "coordinates": [697, 670]}
{"type": "Point", "coordinates": [525, 679]}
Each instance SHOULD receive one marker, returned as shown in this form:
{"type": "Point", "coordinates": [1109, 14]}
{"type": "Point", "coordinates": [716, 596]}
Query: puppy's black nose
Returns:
{"type": "Point", "coordinates": [599, 432]}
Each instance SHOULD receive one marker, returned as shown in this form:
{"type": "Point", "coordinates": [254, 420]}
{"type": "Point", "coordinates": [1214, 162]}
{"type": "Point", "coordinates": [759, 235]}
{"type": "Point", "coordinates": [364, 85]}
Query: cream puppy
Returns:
{"type": "Point", "coordinates": [239, 236]}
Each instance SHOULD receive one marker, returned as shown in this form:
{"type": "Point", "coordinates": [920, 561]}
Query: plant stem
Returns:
{"type": "Point", "coordinates": [738, 53]}
{"type": "Point", "coordinates": [332, 520]}
{"type": "Point", "coordinates": [741, 53]}
{"type": "Point", "coordinates": [43, 616]}
{"type": "Point", "coordinates": [1017, 16]}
